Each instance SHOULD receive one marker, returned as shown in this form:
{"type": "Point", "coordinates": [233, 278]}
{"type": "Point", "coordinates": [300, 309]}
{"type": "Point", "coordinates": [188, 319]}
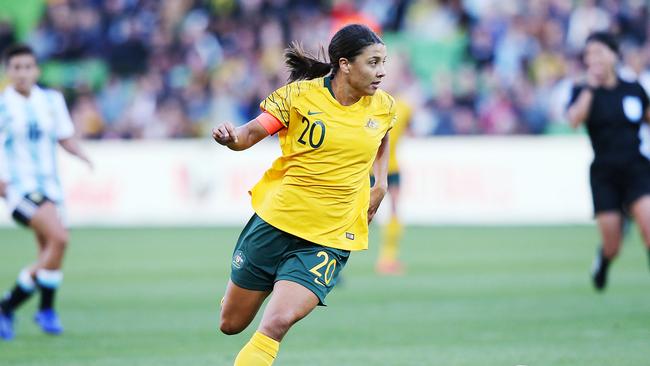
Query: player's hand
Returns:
{"type": "Point", "coordinates": [225, 134]}
{"type": "Point", "coordinates": [376, 196]}
{"type": "Point", "coordinates": [3, 189]}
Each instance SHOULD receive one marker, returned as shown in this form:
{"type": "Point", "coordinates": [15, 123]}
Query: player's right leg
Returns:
{"type": "Point", "coordinates": [21, 292]}
{"type": "Point", "coordinates": [239, 307]}
{"type": "Point", "coordinates": [610, 227]}
{"type": "Point", "coordinates": [25, 284]}
{"type": "Point", "coordinates": [254, 260]}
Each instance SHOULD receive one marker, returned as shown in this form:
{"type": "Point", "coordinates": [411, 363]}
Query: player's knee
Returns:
{"type": "Point", "coordinates": [60, 240]}
{"type": "Point", "coordinates": [611, 251]}
{"type": "Point", "coordinates": [278, 325]}
{"type": "Point", "coordinates": [229, 327]}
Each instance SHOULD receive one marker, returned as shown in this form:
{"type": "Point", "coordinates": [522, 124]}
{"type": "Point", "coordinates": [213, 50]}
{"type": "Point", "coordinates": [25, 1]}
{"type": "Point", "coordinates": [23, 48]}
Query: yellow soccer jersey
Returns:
{"type": "Point", "coordinates": [403, 111]}
{"type": "Point", "coordinates": [318, 189]}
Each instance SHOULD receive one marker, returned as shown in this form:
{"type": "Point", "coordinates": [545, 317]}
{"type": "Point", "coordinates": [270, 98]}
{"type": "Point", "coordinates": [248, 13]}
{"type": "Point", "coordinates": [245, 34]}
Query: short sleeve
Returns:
{"type": "Point", "coordinates": [64, 126]}
{"type": "Point", "coordinates": [278, 103]}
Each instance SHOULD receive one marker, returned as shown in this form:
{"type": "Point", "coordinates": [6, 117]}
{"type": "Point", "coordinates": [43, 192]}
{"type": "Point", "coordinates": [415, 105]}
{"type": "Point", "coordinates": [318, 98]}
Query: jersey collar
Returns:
{"type": "Point", "coordinates": [15, 94]}
{"type": "Point", "coordinates": [327, 83]}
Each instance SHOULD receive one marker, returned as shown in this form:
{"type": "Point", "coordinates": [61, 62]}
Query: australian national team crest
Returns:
{"type": "Point", "coordinates": [238, 259]}
{"type": "Point", "coordinates": [372, 124]}
{"type": "Point", "coordinates": [633, 108]}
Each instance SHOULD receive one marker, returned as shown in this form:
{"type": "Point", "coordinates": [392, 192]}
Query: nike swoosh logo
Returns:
{"type": "Point", "coordinates": [312, 113]}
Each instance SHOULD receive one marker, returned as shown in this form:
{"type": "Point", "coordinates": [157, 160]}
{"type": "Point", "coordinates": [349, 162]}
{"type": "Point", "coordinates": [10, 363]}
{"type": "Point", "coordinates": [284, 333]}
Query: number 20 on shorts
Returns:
{"type": "Point", "coordinates": [330, 268]}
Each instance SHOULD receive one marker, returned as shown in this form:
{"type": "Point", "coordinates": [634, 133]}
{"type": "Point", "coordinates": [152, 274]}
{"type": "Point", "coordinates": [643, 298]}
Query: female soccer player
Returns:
{"type": "Point", "coordinates": [32, 121]}
{"type": "Point", "coordinates": [613, 111]}
{"type": "Point", "coordinates": [312, 207]}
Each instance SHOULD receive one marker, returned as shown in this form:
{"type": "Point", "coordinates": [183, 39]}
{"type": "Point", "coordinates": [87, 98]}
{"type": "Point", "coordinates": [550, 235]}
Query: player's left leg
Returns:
{"type": "Point", "coordinates": [641, 211]}
{"type": "Point", "coordinates": [47, 225]}
{"type": "Point", "coordinates": [289, 303]}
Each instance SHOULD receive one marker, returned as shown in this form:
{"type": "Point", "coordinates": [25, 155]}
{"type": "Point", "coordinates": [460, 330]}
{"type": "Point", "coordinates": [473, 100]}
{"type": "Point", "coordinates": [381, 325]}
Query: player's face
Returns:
{"type": "Point", "coordinates": [599, 58]}
{"type": "Point", "coordinates": [23, 72]}
{"type": "Point", "coordinates": [367, 70]}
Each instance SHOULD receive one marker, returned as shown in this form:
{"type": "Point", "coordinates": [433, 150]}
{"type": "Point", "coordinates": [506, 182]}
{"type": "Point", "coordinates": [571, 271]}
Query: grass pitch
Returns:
{"type": "Point", "coordinates": [471, 296]}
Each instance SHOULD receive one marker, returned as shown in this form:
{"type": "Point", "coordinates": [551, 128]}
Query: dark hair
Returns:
{"type": "Point", "coordinates": [16, 50]}
{"type": "Point", "coordinates": [347, 43]}
{"type": "Point", "coordinates": [606, 39]}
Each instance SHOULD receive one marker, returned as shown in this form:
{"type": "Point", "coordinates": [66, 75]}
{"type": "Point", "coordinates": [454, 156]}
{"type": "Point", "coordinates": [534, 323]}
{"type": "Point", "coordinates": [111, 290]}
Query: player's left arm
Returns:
{"type": "Point", "coordinates": [380, 172]}
{"type": "Point", "coordinates": [65, 129]}
{"type": "Point", "coordinates": [71, 145]}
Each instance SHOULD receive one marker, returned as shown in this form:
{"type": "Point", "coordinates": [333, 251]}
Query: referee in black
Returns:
{"type": "Point", "coordinates": [613, 111]}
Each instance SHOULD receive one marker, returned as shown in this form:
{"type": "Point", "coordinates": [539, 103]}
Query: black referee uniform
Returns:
{"type": "Point", "coordinates": [620, 173]}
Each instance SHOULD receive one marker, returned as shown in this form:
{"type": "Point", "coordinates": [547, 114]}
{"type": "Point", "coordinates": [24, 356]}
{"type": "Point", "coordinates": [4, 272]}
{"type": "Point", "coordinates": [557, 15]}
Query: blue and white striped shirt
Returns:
{"type": "Point", "coordinates": [30, 129]}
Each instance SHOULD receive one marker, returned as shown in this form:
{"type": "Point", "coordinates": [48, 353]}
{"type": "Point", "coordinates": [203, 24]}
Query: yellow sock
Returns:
{"type": "Point", "coordinates": [259, 351]}
{"type": "Point", "coordinates": [390, 243]}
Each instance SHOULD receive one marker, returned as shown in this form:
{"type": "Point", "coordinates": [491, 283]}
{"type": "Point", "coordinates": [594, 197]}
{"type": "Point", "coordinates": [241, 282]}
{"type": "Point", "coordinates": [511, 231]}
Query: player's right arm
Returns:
{"type": "Point", "coordinates": [239, 138]}
{"type": "Point", "coordinates": [274, 117]}
{"type": "Point", "coordinates": [243, 137]}
{"type": "Point", "coordinates": [580, 105]}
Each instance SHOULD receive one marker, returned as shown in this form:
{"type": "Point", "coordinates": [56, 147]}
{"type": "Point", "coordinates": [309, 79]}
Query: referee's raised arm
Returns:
{"type": "Point", "coordinates": [578, 111]}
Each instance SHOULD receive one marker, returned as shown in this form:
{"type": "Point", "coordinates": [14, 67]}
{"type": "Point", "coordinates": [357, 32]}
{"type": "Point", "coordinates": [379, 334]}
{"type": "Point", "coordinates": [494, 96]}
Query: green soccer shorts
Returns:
{"type": "Point", "coordinates": [264, 255]}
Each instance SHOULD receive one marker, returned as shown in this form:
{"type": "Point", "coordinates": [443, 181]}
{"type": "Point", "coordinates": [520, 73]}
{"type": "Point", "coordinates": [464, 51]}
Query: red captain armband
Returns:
{"type": "Point", "coordinates": [269, 122]}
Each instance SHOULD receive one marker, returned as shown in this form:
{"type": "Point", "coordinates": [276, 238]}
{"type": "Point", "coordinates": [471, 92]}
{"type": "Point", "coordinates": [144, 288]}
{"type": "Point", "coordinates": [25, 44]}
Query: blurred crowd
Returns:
{"type": "Point", "coordinates": [174, 68]}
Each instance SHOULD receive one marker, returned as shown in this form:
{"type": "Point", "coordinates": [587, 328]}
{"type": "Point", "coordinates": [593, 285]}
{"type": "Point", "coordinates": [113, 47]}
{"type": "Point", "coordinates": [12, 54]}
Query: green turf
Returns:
{"type": "Point", "coordinates": [471, 296]}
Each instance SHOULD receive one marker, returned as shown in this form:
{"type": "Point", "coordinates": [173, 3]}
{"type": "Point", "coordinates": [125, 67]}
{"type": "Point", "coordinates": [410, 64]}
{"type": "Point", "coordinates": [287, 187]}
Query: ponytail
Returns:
{"type": "Point", "coordinates": [304, 66]}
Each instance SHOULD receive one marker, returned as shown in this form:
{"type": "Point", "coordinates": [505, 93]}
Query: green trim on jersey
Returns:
{"type": "Point", "coordinates": [327, 82]}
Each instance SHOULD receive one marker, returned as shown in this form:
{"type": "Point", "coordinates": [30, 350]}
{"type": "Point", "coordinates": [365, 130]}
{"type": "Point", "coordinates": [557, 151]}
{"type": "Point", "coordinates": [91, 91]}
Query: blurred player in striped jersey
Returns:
{"type": "Point", "coordinates": [33, 120]}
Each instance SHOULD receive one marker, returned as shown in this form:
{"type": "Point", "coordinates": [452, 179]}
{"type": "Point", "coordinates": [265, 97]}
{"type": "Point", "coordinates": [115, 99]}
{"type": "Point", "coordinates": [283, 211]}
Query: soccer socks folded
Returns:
{"type": "Point", "coordinates": [21, 292]}
{"type": "Point", "coordinates": [261, 350]}
{"type": "Point", "coordinates": [48, 282]}
{"type": "Point", "coordinates": [391, 237]}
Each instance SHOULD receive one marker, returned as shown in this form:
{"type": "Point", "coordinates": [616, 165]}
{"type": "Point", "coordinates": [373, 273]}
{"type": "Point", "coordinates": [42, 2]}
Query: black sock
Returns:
{"type": "Point", "coordinates": [604, 261]}
{"type": "Point", "coordinates": [14, 299]}
{"type": "Point", "coordinates": [47, 296]}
